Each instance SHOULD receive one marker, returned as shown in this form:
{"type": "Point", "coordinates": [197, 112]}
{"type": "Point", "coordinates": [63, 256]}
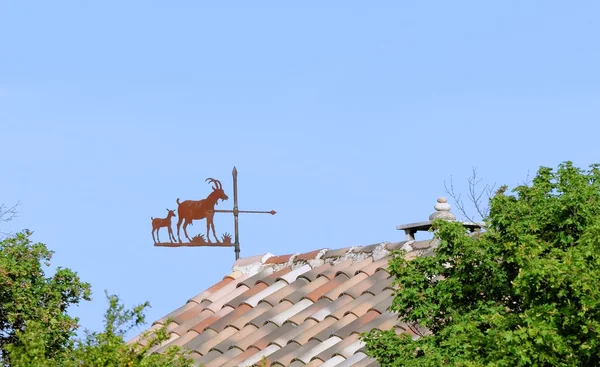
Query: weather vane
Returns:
{"type": "Point", "coordinates": [190, 210]}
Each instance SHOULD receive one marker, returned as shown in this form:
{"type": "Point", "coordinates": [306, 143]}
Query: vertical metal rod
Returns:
{"type": "Point", "coordinates": [235, 214]}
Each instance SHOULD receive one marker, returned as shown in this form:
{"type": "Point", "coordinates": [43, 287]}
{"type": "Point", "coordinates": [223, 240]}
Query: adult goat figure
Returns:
{"type": "Point", "coordinates": [190, 210]}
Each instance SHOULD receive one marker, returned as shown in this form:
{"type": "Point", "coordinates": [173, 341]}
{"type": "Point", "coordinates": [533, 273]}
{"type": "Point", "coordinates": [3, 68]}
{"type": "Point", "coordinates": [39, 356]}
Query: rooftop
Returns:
{"type": "Point", "coordinates": [300, 309]}
{"type": "Point", "coordinates": [303, 309]}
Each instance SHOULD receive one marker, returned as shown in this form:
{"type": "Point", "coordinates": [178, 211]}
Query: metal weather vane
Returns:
{"type": "Point", "coordinates": [190, 210]}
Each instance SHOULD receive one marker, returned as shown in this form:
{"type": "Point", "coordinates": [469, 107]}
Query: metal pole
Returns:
{"type": "Point", "coordinates": [235, 214]}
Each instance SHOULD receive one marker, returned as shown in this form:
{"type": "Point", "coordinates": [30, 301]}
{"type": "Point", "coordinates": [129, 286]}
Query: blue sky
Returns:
{"type": "Point", "coordinates": [344, 117]}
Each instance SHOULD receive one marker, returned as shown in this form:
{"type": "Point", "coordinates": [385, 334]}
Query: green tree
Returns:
{"type": "Point", "coordinates": [522, 293]}
{"type": "Point", "coordinates": [37, 331]}
{"type": "Point", "coordinates": [27, 294]}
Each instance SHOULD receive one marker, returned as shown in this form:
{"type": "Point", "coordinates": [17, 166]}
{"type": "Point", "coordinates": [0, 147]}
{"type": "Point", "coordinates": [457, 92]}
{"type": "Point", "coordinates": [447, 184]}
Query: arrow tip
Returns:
{"type": "Point", "coordinates": [234, 171]}
{"type": "Point", "coordinates": [273, 212]}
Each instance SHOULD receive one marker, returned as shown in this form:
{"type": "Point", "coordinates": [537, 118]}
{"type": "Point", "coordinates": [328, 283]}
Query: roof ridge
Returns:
{"type": "Point", "coordinates": [377, 251]}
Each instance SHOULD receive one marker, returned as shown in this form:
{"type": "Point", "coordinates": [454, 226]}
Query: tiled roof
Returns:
{"type": "Point", "coordinates": [296, 310]}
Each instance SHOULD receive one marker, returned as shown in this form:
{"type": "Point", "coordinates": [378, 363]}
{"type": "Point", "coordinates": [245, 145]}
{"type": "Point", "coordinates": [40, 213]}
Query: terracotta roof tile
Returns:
{"type": "Point", "coordinates": [199, 328]}
{"type": "Point", "coordinates": [273, 277]}
{"type": "Point", "coordinates": [369, 304]}
{"type": "Point", "coordinates": [367, 362]}
{"type": "Point", "coordinates": [241, 357]}
{"type": "Point", "coordinates": [337, 253]}
{"type": "Point", "coordinates": [226, 359]}
{"type": "Point", "coordinates": [301, 316]}
{"type": "Point", "coordinates": [255, 359]}
{"type": "Point", "coordinates": [319, 291]}
{"type": "Point", "coordinates": [192, 310]}
{"type": "Point", "coordinates": [351, 270]}
{"type": "Point", "coordinates": [424, 244]}
{"type": "Point", "coordinates": [315, 329]}
{"type": "Point", "coordinates": [281, 259]}
{"type": "Point", "coordinates": [276, 297]}
{"type": "Point", "coordinates": [186, 326]}
{"type": "Point", "coordinates": [334, 269]}
{"type": "Point", "coordinates": [269, 314]}
{"type": "Point", "coordinates": [316, 349]}
{"type": "Point", "coordinates": [301, 293]}
{"type": "Point", "coordinates": [177, 312]}
{"type": "Point", "coordinates": [356, 324]}
{"type": "Point", "coordinates": [292, 275]}
{"type": "Point", "coordinates": [356, 360]}
{"type": "Point", "coordinates": [197, 341]}
{"type": "Point", "coordinates": [283, 356]}
{"type": "Point", "coordinates": [223, 359]}
{"type": "Point", "coordinates": [255, 299]}
{"type": "Point", "coordinates": [279, 337]}
{"type": "Point", "coordinates": [368, 248]}
{"type": "Point", "coordinates": [336, 325]}
{"type": "Point", "coordinates": [315, 272]}
{"type": "Point", "coordinates": [349, 350]}
{"type": "Point", "coordinates": [334, 361]}
{"type": "Point", "coordinates": [303, 353]}
{"type": "Point", "coordinates": [295, 310]}
{"type": "Point", "coordinates": [208, 357]}
{"type": "Point", "coordinates": [395, 245]}
{"type": "Point", "coordinates": [240, 299]}
{"type": "Point", "coordinates": [349, 307]}
{"type": "Point", "coordinates": [385, 321]}
{"type": "Point", "coordinates": [233, 275]}
{"type": "Point", "coordinates": [216, 305]}
{"type": "Point", "coordinates": [231, 342]}
{"type": "Point", "coordinates": [181, 341]}
{"type": "Point", "coordinates": [207, 345]}
{"type": "Point", "coordinates": [294, 331]}
{"type": "Point", "coordinates": [384, 305]}
{"type": "Point", "coordinates": [199, 297]}
{"type": "Point", "coordinates": [350, 284]}
{"type": "Point", "coordinates": [329, 353]}
{"type": "Point", "coordinates": [381, 264]}
{"type": "Point", "coordinates": [255, 278]}
{"type": "Point", "coordinates": [344, 302]}
{"type": "Point", "coordinates": [246, 317]}
{"type": "Point", "coordinates": [259, 333]}
{"type": "Point", "coordinates": [230, 317]}
{"type": "Point", "coordinates": [307, 255]}
{"type": "Point", "coordinates": [365, 283]}
{"type": "Point", "coordinates": [223, 291]}
{"type": "Point", "coordinates": [248, 260]}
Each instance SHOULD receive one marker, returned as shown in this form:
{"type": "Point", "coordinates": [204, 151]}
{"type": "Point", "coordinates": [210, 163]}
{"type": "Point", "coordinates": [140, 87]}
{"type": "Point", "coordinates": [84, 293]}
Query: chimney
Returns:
{"type": "Point", "coordinates": [442, 211]}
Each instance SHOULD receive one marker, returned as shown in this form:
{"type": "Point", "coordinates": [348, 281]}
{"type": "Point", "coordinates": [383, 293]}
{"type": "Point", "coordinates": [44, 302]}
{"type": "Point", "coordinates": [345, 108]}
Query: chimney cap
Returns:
{"type": "Point", "coordinates": [442, 211]}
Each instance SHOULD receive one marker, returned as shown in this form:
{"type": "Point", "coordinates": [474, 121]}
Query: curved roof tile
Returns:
{"type": "Point", "coordinates": [305, 309]}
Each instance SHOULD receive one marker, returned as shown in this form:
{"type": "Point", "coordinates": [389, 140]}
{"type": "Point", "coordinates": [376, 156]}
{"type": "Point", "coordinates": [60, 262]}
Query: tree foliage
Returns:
{"type": "Point", "coordinates": [37, 331]}
{"type": "Point", "coordinates": [27, 294]}
{"type": "Point", "coordinates": [522, 293]}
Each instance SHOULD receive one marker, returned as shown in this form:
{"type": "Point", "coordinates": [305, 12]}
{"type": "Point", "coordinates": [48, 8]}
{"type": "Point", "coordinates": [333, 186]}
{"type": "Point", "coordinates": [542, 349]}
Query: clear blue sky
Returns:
{"type": "Point", "coordinates": [344, 117]}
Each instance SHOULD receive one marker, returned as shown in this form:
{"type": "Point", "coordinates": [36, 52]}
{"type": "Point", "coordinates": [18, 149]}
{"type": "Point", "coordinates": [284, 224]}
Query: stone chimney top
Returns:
{"type": "Point", "coordinates": [442, 211]}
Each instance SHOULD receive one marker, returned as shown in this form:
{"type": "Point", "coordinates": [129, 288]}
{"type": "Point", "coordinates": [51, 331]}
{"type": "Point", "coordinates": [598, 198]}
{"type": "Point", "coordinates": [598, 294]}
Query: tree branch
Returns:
{"type": "Point", "coordinates": [479, 198]}
{"type": "Point", "coordinates": [7, 214]}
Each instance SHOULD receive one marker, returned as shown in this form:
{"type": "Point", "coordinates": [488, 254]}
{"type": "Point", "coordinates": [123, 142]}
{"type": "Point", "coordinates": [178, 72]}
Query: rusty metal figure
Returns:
{"type": "Point", "coordinates": [190, 210]}
{"type": "Point", "coordinates": [158, 223]}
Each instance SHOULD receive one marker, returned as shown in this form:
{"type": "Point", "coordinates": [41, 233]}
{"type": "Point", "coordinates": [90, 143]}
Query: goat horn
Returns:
{"type": "Point", "coordinates": [212, 180]}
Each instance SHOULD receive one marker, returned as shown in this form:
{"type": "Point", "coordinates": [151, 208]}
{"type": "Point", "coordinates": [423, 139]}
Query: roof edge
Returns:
{"type": "Point", "coordinates": [322, 256]}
